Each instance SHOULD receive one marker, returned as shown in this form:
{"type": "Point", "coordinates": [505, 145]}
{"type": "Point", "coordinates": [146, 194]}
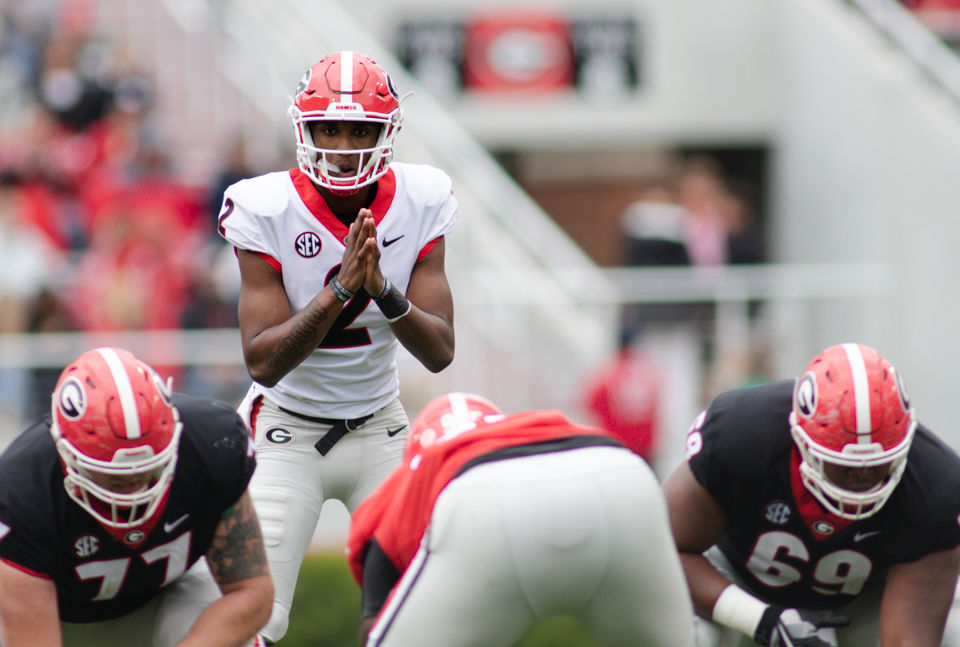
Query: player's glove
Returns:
{"type": "Point", "coordinates": [781, 627]}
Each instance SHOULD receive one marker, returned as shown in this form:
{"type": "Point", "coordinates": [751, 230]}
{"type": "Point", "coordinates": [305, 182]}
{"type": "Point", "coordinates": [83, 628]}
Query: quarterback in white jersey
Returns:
{"type": "Point", "coordinates": [340, 259]}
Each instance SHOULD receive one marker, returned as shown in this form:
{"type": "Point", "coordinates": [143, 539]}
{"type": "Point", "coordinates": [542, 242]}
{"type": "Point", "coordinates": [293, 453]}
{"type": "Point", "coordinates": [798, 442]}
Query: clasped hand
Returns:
{"type": "Point", "coordinates": [360, 266]}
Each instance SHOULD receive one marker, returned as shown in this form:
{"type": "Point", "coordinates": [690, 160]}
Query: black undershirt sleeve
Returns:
{"type": "Point", "coordinates": [379, 578]}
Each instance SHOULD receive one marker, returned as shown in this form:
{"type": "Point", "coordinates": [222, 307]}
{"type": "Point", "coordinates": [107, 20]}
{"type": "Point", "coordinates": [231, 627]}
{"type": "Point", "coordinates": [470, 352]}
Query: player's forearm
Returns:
{"type": "Point", "coordinates": [705, 582]}
{"type": "Point", "coordinates": [429, 338]}
{"type": "Point", "coordinates": [235, 618]}
{"type": "Point", "coordinates": [29, 634]}
{"type": "Point", "coordinates": [917, 598]}
{"type": "Point", "coordinates": [274, 352]}
{"type": "Point", "coordinates": [29, 616]}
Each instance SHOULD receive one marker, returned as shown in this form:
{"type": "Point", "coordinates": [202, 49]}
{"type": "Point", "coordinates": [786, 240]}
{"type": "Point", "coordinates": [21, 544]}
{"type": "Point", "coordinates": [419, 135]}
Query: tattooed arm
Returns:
{"type": "Point", "coordinates": [239, 565]}
{"type": "Point", "coordinates": [274, 341]}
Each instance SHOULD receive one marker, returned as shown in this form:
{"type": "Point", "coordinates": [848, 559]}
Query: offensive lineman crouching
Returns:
{"type": "Point", "coordinates": [111, 512]}
{"type": "Point", "coordinates": [495, 522]}
{"type": "Point", "coordinates": [817, 512]}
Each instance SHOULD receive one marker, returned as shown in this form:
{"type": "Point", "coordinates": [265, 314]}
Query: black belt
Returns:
{"type": "Point", "coordinates": [338, 428]}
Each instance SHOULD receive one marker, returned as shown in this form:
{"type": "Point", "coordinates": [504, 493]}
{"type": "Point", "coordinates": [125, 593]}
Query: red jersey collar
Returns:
{"type": "Point", "coordinates": [386, 190]}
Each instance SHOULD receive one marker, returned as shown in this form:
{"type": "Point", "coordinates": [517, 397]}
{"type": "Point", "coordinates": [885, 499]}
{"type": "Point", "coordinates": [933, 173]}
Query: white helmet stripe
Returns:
{"type": "Point", "coordinates": [127, 402]}
{"type": "Point", "coordinates": [346, 73]}
{"type": "Point", "coordinates": [861, 391]}
{"type": "Point", "coordinates": [460, 410]}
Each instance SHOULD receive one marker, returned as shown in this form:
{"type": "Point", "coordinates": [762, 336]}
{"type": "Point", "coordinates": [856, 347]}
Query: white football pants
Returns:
{"type": "Point", "coordinates": [292, 480]}
{"type": "Point", "coordinates": [581, 532]}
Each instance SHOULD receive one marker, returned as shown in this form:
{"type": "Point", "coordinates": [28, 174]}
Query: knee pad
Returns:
{"type": "Point", "coordinates": [276, 627]}
{"type": "Point", "coordinates": [272, 509]}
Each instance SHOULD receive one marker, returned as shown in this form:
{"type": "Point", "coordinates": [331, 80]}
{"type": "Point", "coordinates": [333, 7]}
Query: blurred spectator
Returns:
{"type": "Point", "coordinates": [72, 83]}
{"type": "Point", "coordinates": [623, 397]}
{"type": "Point", "coordinates": [47, 314]}
{"type": "Point", "coordinates": [745, 239]}
{"type": "Point", "coordinates": [702, 191]}
{"type": "Point", "coordinates": [657, 233]}
{"type": "Point", "coordinates": [235, 167]}
{"type": "Point", "coordinates": [655, 228]}
{"type": "Point", "coordinates": [136, 272]}
{"type": "Point", "coordinates": [38, 263]}
{"type": "Point", "coordinates": [205, 306]}
{"type": "Point", "coordinates": [32, 266]}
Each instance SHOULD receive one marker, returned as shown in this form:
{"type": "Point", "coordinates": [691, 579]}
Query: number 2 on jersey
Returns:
{"type": "Point", "coordinates": [339, 335]}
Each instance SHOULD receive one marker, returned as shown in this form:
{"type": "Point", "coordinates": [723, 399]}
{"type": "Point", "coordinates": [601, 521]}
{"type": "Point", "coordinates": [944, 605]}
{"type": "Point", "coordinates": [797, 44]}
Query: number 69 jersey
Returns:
{"type": "Point", "coordinates": [100, 574]}
{"type": "Point", "coordinates": [779, 539]}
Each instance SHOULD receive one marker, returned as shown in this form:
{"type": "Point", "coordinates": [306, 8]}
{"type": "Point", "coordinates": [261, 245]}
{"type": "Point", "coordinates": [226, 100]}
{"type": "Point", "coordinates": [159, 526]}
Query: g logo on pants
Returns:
{"type": "Point", "coordinates": [279, 436]}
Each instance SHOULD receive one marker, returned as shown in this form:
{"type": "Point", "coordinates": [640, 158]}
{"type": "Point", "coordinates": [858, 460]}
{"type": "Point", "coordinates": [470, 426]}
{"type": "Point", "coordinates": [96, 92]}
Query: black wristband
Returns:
{"type": "Point", "coordinates": [767, 625]}
{"type": "Point", "coordinates": [392, 303]}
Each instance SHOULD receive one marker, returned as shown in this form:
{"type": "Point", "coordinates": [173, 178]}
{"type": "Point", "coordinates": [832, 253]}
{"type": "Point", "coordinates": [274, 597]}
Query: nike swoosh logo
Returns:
{"type": "Point", "coordinates": [170, 525]}
{"type": "Point", "coordinates": [863, 535]}
{"type": "Point", "coordinates": [387, 243]}
{"type": "Point", "coordinates": [394, 432]}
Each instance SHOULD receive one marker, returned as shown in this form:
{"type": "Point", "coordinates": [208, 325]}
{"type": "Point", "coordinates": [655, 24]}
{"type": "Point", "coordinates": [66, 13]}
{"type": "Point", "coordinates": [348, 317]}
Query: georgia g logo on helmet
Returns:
{"type": "Point", "coordinates": [805, 395]}
{"type": "Point", "coordinates": [304, 82]}
{"type": "Point", "coordinates": [391, 87]}
{"type": "Point", "coordinates": [72, 399]}
{"type": "Point", "coordinates": [164, 389]}
{"type": "Point", "coordinates": [901, 390]}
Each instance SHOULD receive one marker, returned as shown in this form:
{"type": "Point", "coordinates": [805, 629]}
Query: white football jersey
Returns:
{"type": "Point", "coordinates": [282, 217]}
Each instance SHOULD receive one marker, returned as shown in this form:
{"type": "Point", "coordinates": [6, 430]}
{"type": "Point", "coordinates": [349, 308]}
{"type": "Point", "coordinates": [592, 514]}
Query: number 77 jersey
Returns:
{"type": "Point", "coordinates": [787, 548]}
{"type": "Point", "coordinates": [101, 573]}
{"type": "Point", "coordinates": [282, 218]}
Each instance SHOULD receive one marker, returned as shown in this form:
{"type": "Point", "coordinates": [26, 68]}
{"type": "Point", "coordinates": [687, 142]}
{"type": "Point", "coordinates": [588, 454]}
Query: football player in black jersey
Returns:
{"type": "Point", "coordinates": [125, 518]}
{"type": "Point", "coordinates": [817, 512]}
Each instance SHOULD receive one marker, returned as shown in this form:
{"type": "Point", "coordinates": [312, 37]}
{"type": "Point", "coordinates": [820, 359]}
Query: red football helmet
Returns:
{"type": "Point", "coordinates": [113, 422]}
{"type": "Point", "coordinates": [850, 409]}
{"type": "Point", "coordinates": [448, 416]}
{"type": "Point", "coordinates": [345, 86]}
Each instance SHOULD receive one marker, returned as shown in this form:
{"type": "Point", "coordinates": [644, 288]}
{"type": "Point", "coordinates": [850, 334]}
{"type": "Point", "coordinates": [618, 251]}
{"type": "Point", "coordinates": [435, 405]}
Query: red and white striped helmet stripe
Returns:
{"type": "Point", "coordinates": [460, 414]}
{"type": "Point", "coordinates": [128, 402]}
{"type": "Point", "coordinates": [346, 73]}
{"type": "Point", "coordinates": [861, 391]}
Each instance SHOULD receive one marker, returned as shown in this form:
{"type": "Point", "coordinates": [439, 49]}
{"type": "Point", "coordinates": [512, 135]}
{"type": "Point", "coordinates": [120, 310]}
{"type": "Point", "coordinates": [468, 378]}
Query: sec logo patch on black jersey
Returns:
{"type": "Point", "coordinates": [86, 545]}
{"type": "Point", "coordinates": [777, 512]}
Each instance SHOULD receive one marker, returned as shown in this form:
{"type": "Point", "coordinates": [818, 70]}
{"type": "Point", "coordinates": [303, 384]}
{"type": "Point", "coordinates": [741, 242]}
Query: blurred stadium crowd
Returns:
{"type": "Point", "coordinates": [97, 232]}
